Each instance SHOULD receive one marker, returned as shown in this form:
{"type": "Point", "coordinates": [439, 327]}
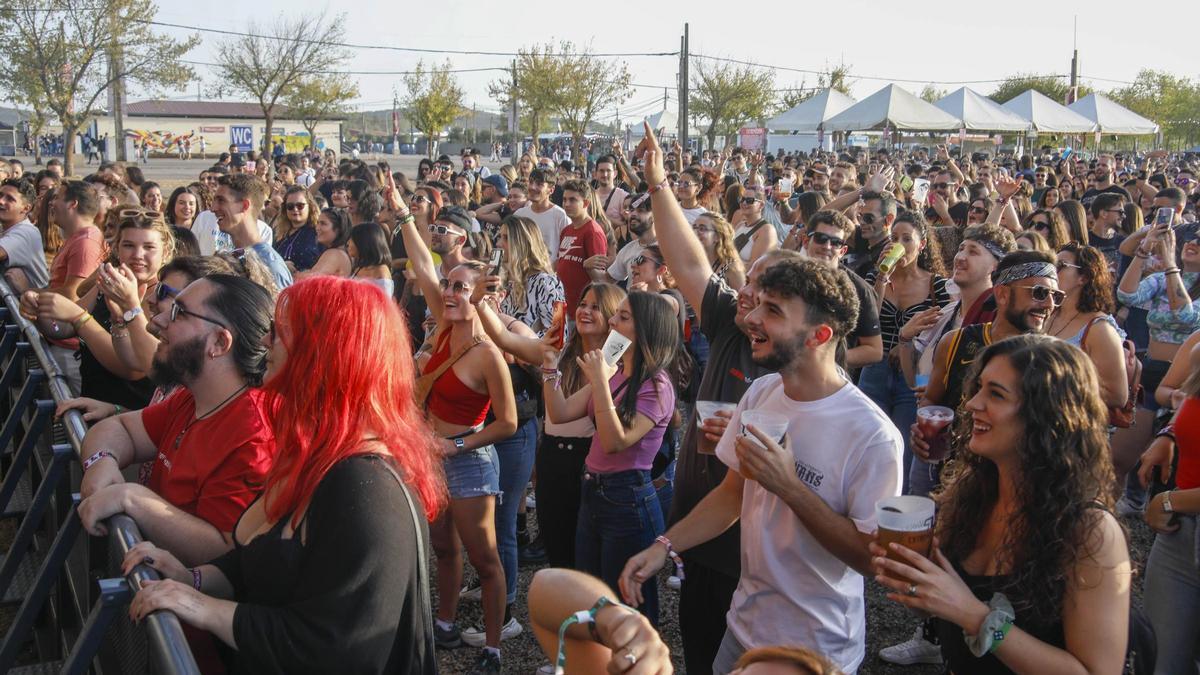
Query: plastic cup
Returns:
{"type": "Point", "coordinates": [907, 521]}
{"type": "Point", "coordinates": [933, 421]}
{"type": "Point", "coordinates": [772, 424]}
{"type": "Point", "coordinates": [707, 410]}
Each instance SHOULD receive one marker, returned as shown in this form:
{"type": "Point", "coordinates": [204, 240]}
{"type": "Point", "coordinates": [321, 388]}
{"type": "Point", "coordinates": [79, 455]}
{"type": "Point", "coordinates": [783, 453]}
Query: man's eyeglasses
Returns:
{"type": "Point", "coordinates": [822, 239]}
{"type": "Point", "coordinates": [296, 206]}
{"type": "Point", "coordinates": [1042, 293]}
{"type": "Point", "coordinates": [163, 291]}
{"type": "Point", "coordinates": [458, 287]}
{"type": "Point", "coordinates": [177, 309]}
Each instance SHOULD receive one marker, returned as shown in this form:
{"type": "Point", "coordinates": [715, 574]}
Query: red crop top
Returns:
{"type": "Point", "coordinates": [1187, 442]}
{"type": "Point", "coordinates": [450, 400]}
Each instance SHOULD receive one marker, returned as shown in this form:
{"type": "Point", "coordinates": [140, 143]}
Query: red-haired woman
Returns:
{"type": "Point", "coordinates": [467, 376]}
{"type": "Point", "coordinates": [325, 575]}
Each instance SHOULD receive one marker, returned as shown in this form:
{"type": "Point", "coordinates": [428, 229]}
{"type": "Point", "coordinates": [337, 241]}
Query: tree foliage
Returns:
{"type": "Point", "coordinates": [931, 93]}
{"type": "Point", "coordinates": [62, 56]}
{"type": "Point", "coordinates": [268, 63]}
{"type": "Point", "coordinates": [434, 100]}
{"type": "Point", "coordinates": [539, 76]}
{"type": "Point", "coordinates": [316, 98]}
{"type": "Point", "coordinates": [1170, 100]}
{"type": "Point", "coordinates": [729, 96]}
{"type": "Point", "coordinates": [586, 85]}
{"type": "Point", "coordinates": [1052, 86]}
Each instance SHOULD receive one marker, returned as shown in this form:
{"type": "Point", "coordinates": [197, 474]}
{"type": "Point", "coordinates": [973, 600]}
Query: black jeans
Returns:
{"type": "Point", "coordinates": [559, 465]}
{"type": "Point", "coordinates": [704, 599]}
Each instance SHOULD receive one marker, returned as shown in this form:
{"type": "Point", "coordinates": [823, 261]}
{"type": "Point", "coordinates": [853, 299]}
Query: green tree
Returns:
{"type": "Point", "coordinates": [931, 93]}
{"type": "Point", "coordinates": [1053, 86]}
{"type": "Point", "coordinates": [1170, 100]}
{"type": "Point", "coordinates": [588, 84]}
{"type": "Point", "coordinates": [316, 98]}
{"type": "Point", "coordinates": [539, 77]}
{"type": "Point", "coordinates": [266, 64]}
{"type": "Point", "coordinates": [729, 96]}
{"type": "Point", "coordinates": [434, 100]}
{"type": "Point", "coordinates": [64, 55]}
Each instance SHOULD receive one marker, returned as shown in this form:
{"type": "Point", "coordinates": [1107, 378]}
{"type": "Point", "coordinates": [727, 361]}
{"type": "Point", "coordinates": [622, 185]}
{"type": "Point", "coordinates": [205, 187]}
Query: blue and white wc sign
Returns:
{"type": "Point", "coordinates": [242, 137]}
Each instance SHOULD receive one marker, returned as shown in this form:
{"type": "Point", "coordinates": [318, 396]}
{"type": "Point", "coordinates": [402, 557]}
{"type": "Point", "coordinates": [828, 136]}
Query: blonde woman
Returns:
{"type": "Point", "coordinates": [716, 236]}
{"type": "Point", "coordinates": [295, 229]}
{"type": "Point", "coordinates": [535, 287]}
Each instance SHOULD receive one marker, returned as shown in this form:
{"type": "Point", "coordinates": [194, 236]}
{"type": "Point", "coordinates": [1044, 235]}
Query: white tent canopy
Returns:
{"type": "Point", "coordinates": [1047, 115]}
{"type": "Point", "coordinates": [666, 121]}
{"type": "Point", "coordinates": [808, 116]}
{"type": "Point", "coordinates": [980, 113]}
{"type": "Point", "coordinates": [1111, 117]}
{"type": "Point", "coordinates": [894, 108]}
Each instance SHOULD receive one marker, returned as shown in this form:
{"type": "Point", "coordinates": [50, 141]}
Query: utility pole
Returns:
{"type": "Point", "coordinates": [1073, 92]}
{"type": "Point", "coordinates": [395, 125]}
{"type": "Point", "coordinates": [117, 95]}
{"type": "Point", "coordinates": [474, 126]}
{"type": "Point", "coordinates": [514, 125]}
{"type": "Point", "coordinates": [683, 89]}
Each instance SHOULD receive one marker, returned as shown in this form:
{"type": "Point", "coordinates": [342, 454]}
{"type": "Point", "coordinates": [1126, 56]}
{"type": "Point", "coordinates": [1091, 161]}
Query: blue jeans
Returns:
{"type": "Point", "coordinates": [516, 464]}
{"type": "Point", "coordinates": [1172, 597]}
{"type": "Point", "coordinates": [887, 387]}
{"type": "Point", "coordinates": [619, 516]}
{"type": "Point", "coordinates": [727, 654]}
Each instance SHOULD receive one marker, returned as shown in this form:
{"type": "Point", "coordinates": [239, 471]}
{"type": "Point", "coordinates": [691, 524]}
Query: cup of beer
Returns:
{"type": "Point", "coordinates": [932, 421]}
{"type": "Point", "coordinates": [906, 520]}
{"type": "Point", "coordinates": [773, 424]}
{"type": "Point", "coordinates": [707, 410]}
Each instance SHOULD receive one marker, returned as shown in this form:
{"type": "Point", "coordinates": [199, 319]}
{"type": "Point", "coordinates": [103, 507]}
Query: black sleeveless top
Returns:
{"type": "Point", "coordinates": [958, 656]}
{"type": "Point", "coordinates": [99, 383]}
{"type": "Point", "coordinates": [965, 346]}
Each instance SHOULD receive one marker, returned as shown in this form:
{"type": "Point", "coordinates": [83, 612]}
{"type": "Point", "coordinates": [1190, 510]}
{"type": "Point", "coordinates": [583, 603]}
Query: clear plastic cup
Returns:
{"type": "Point", "coordinates": [772, 424]}
{"type": "Point", "coordinates": [707, 410]}
{"type": "Point", "coordinates": [933, 420]}
{"type": "Point", "coordinates": [906, 520]}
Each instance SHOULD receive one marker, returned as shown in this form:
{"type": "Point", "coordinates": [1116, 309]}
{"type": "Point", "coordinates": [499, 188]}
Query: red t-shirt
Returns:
{"type": "Point", "coordinates": [1187, 442]}
{"type": "Point", "coordinates": [79, 256]}
{"type": "Point", "coordinates": [575, 245]}
{"type": "Point", "coordinates": [215, 469]}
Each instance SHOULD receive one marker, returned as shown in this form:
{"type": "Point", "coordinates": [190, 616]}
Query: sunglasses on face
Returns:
{"type": "Point", "coordinates": [747, 201]}
{"type": "Point", "coordinates": [822, 239]}
{"type": "Point", "coordinates": [643, 259]}
{"type": "Point", "coordinates": [420, 199]}
{"type": "Point", "coordinates": [1040, 226]}
{"type": "Point", "coordinates": [868, 218]}
{"type": "Point", "coordinates": [163, 291]}
{"type": "Point", "coordinates": [296, 206]}
{"type": "Point", "coordinates": [977, 209]}
{"type": "Point", "coordinates": [458, 287]}
{"type": "Point", "coordinates": [1042, 293]}
{"type": "Point", "coordinates": [1062, 265]}
{"type": "Point", "coordinates": [177, 309]}
{"type": "Point", "coordinates": [441, 229]}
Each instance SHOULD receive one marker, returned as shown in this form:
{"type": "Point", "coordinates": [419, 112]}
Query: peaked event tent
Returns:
{"type": "Point", "coordinates": [894, 108]}
{"type": "Point", "coordinates": [1047, 115]}
{"type": "Point", "coordinates": [1111, 117]}
{"type": "Point", "coordinates": [809, 115]}
{"type": "Point", "coordinates": [980, 113]}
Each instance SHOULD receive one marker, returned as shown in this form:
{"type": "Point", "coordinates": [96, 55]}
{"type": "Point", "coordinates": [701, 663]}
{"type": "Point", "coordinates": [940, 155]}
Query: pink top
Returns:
{"type": "Point", "coordinates": [655, 400]}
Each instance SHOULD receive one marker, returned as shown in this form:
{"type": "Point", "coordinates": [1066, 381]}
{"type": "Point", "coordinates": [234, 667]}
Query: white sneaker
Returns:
{"type": "Point", "coordinates": [673, 582]}
{"type": "Point", "coordinates": [476, 636]}
{"type": "Point", "coordinates": [530, 502]}
{"type": "Point", "coordinates": [470, 593]}
{"type": "Point", "coordinates": [546, 669]}
{"type": "Point", "coordinates": [915, 650]}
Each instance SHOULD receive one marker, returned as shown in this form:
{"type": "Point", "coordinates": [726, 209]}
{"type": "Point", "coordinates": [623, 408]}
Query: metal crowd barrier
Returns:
{"type": "Point", "coordinates": [65, 587]}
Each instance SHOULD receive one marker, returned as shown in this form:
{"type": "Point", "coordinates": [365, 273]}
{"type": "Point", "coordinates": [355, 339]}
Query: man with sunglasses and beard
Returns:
{"type": "Point", "coordinates": [945, 207]}
{"type": "Point", "coordinates": [825, 241]}
{"type": "Point", "coordinates": [876, 213]}
{"type": "Point", "coordinates": [1025, 289]}
{"type": "Point", "coordinates": [641, 226]}
{"type": "Point", "coordinates": [448, 235]}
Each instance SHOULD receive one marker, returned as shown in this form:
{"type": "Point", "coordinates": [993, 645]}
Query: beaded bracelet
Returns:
{"type": "Point", "coordinates": [675, 558]}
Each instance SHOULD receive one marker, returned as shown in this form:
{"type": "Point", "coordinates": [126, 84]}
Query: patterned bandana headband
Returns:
{"type": "Point", "coordinates": [1026, 271]}
{"type": "Point", "coordinates": [991, 246]}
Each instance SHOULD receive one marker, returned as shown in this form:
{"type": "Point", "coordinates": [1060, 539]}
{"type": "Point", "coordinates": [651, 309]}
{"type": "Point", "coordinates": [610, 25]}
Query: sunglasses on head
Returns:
{"type": "Point", "coordinates": [821, 239]}
{"type": "Point", "coordinates": [1042, 293]}
{"type": "Point", "coordinates": [457, 287]}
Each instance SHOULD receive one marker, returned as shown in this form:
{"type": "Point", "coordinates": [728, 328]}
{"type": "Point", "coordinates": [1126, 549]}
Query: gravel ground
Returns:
{"type": "Point", "coordinates": [887, 622]}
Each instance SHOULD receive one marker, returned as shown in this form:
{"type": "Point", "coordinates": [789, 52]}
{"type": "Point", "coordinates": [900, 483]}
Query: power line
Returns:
{"type": "Point", "coordinates": [357, 72]}
{"type": "Point", "coordinates": [851, 75]}
{"type": "Point", "coordinates": [349, 45]}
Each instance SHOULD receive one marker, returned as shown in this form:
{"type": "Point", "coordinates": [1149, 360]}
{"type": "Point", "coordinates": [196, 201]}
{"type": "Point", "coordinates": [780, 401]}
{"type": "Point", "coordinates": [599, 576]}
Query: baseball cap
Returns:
{"type": "Point", "coordinates": [499, 182]}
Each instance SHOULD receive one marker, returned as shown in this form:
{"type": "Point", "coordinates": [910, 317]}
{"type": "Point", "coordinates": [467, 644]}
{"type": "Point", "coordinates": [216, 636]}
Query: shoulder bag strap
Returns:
{"type": "Point", "coordinates": [424, 383]}
{"type": "Point", "coordinates": [422, 562]}
{"type": "Point", "coordinates": [1087, 329]}
{"type": "Point", "coordinates": [740, 241]}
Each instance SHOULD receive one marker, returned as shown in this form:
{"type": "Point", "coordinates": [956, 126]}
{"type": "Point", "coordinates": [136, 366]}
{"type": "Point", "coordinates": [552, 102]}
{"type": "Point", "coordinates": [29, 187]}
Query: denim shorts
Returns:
{"type": "Point", "coordinates": [473, 473]}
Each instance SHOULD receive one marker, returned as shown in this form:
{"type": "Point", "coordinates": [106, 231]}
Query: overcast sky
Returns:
{"type": "Point", "coordinates": [923, 42]}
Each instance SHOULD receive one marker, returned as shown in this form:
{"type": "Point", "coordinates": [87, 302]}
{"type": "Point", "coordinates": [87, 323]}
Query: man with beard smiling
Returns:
{"type": "Point", "coordinates": [641, 226]}
{"type": "Point", "coordinates": [210, 441]}
{"type": "Point", "coordinates": [806, 501]}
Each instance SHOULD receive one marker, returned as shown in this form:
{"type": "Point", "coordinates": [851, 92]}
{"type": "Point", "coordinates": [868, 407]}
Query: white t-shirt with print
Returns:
{"type": "Point", "coordinates": [792, 590]}
{"type": "Point", "coordinates": [619, 269]}
{"type": "Point", "coordinates": [212, 239]}
{"type": "Point", "coordinates": [551, 223]}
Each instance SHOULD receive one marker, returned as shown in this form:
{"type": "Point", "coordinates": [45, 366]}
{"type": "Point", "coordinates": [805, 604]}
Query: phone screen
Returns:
{"type": "Point", "coordinates": [1164, 217]}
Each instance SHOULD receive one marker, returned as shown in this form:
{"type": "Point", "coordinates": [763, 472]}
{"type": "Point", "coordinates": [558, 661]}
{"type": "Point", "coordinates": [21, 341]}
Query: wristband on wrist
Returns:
{"type": "Point", "coordinates": [656, 188]}
{"type": "Point", "coordinates": [80, 320]}
{"type": "Point", "coordinates": [1167, 431]}
{"type": "Point", "coordinates": [675, 558]}
{"type": "Point", "coordinates": [588, 618]}
{"type": "Point", "coordinates": [995, 627]}
{"type": "Point", "coordinates": [196, 578]}
{"type": "Point", "coordinates": [96, 457]}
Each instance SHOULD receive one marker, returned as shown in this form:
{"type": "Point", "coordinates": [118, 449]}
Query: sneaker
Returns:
{"type": "Point", "coordinates": [530, 502]}
{"type": "Point", "coordinates": [487, 664]}
{"type": "Point", "coordinates": [534, 553]}
{"type": "Point", "coordinates": [1126, 508]}
{"type": "Point", "coordinates": [546, 669]}
{"type": "Point", "coordinates": [472, 592]}
{"type": "Point", "coordinates": [476, 637]}
{"type": "Point", "coordinates": [673, 582]}
{"type": "Point", "coordinates": [447, 638]}
{"type": "Point", "coordinates": [916, 650]}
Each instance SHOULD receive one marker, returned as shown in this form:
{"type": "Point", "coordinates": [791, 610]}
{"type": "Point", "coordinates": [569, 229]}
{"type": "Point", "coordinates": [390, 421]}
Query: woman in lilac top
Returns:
{"type": "Point", "coordinates": [619, 513]}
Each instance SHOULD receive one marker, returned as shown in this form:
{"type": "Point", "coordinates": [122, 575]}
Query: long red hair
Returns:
{"type": "Point", "coordinates": [349, 373]}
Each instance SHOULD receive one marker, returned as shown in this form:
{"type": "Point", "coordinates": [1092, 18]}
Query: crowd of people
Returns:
{"type": "Point", "coordinates": [298, 369]}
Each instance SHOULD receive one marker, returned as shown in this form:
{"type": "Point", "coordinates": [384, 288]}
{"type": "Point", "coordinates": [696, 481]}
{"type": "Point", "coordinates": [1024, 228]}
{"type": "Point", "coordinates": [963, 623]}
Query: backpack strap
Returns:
{"type": "Point", "coordinates": [740, 241]}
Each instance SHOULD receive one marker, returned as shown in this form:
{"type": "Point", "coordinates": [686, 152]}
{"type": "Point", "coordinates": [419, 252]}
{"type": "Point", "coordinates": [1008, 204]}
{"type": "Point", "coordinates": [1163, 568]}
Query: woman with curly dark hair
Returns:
{"type": "Point", "coordinates": [1030, 570]}
{"type": "Point", "coordinates": [697, 190]}
{"type": "Point", "coordinates": [1085, 319]}
{"type": "Point", "coordinates": [1050, 224]}
{"type": "Point", "coordinates": [916, 284]}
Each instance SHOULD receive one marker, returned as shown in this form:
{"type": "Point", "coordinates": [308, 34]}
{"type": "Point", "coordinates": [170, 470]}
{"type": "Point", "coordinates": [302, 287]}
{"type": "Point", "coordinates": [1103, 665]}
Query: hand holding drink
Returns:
{"type": "Point", "coordinates": [932, 421]}
{"type": "Point", "coordinates": [907, 521]}
{"type": "Point", "coordinates": [711, 415]}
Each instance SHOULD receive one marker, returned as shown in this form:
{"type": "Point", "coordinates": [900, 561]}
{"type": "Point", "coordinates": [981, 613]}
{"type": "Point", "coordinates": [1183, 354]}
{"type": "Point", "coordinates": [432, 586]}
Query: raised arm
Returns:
{"type": "Point", "coordinates": [423, 267]}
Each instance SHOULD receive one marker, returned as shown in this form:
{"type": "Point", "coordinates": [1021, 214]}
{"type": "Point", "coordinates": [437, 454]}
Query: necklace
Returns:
{"type": "Point", "coordinates": [179, 438]}
{"type": "Point", "coordinates": [1067, 324]}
